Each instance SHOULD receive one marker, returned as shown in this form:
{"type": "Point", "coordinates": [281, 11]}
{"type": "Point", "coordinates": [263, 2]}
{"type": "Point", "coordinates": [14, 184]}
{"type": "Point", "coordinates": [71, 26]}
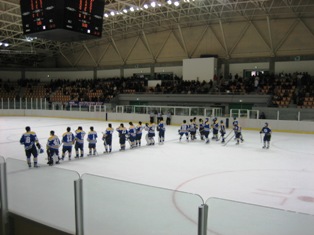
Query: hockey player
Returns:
{"type": "Point", "coordinates": [201, 128]}
{"type": "Point", "coordinates": [206, 130]}
{"type": "Point", "coordinates": [92, 140]}
{"type": "Point", "coordinates": [237, 131]}
{"type": "Point", "coordinates": [53, 145]}
{"type": "Point", "coordinates": [161, 131]}
{"type": "Point", "coordinates": [267, 135]}
{"type": "Point", "coordinates": [236, 123]}
{"type": "Point", "coordinates": [79, 142]}
{"type": "Point", "coordinates": [150, 128]}
{"type": "Point", "coordinates": [222, 131]}
{"type": "Point", "coordinates": [184, 130]}
{"type": "Point", "coordinates": [107, 138]}
{"type": "Point", "coordinates": [132, 135]}
{"type": "Point", "coordinates": [139, 129]}
{"type": "Point", "coordinates": [30, 141]}
{"type": "Point", "coordinates": [215, 127]}
{"type": "Point", "coordinates": [123, 132]}
{"type": "Point", "coordinates": [67, 141]}
{"type": "Point", "coordinates": [192, 129]}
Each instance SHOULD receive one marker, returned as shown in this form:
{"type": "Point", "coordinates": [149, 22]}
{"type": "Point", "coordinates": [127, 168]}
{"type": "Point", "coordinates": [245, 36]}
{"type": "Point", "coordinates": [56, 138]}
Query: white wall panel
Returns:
{"type": "Point", "coordinates": [199, 69]}
{"type": "Point", "coordinates": [295, 66]}
{"type": "Point", "coordinates": [12, 75]}
{"type": "Point", "coordinates": [71, 75]}
{"type": "Point", "coordinates": [177, 70]}
{"type": "Point", "coordinates": [130, 72]}
{"type": "Point", "coordinates": [110, 73]}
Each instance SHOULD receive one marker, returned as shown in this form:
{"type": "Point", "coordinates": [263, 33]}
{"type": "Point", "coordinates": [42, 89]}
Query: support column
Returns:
{"type": "Point", "coordinates": [272, 65]}
{"type": "Point", "coordinates": [121, 72]}
{"type": "Point", "coordinates": [4, 198]}
{"type": "Point", "coordinates": [79, 218]}
{"type": "Point", "coordinates": [202, 219]}
{"type": "Point", "coordinates": [95, 73]}
{"type": "Point", "coordinates": [152, 71]}
{"type": "Point", "coordinates": [227, 69]}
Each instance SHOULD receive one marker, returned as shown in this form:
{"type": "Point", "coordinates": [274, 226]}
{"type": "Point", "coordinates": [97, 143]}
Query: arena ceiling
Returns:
{"type": "Point", "coordinates": [129, 18]}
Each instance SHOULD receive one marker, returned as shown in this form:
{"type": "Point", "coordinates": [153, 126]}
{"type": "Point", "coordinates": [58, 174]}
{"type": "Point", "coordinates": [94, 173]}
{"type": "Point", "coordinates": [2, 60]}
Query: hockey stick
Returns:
{"type": "Point", "coordinates": [229, 134]}
{"type": "Point", "coordinates": [228, 140]}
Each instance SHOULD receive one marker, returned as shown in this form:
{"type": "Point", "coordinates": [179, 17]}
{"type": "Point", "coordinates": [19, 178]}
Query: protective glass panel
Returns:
{"type": "Point", "coordinates": [140, 109]}
{"type": "Point", "coordinates": [253, 114]}
{"type": "Point", "coordinates": [197, 111]}
{"type": "Point", "coordinates": [235, 218]}
{"type": "Point", "coordinates": [288, 114]}
{"type": "Point", "coordinates": [122, 208]}
{"type": "Point", "coordinates": [182, 112]}
{"type": "Point", "coordinates": [208, 112]}
{"type": "Point", "coordinates": [128, 109]}
{"type": "Point", "coordinates": [166, 110]}
{"type": "Point", "coordinates": [44, 194]}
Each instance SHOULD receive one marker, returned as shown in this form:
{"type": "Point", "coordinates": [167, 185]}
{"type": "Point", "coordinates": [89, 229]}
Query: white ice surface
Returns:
{"type": "Point", "coordinates": [279, 177]}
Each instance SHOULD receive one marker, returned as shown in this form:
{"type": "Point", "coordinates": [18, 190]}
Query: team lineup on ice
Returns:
{"type": "Point", "coordinates": [132, 134]}
{"type": "Point", "coordinates": [278, 177]}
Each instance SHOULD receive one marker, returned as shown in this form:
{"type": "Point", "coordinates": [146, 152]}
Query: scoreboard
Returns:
{"type": "Point", "coordinates": [63, 20]}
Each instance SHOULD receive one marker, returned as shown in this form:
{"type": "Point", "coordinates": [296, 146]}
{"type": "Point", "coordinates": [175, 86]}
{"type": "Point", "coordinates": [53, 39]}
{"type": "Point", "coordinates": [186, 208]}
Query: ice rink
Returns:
{"type": "Point", "coordinates": [279, 177]}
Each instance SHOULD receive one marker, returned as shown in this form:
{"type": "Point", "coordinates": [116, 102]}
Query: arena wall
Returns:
{"type": "Point", "coordinates": [246, 123]}
{"type": "Point", "coordinates": [90, 73]}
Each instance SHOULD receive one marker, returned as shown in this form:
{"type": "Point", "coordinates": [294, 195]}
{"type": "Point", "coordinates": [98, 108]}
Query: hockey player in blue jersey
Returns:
{"type": "Point", "coordinates": [222, 131]}
{"type": "Point", "coordinates": [201, 128]}
{"type": "Point", "coordinates": [67, 141]}
{"type": "Point", "coordinates": [123, 132]}
{"type": "Point", "coordinates": [53, 145]}
{"type": "Point", "coordinates": [150, 128]}
{"type": "Point", "coordinates": [184, 130]}
{"type": "Point", "coordinates": [139, 130]}
{"type": "Point", "coordinates": [215, 127]}
{"type": "Point", "coordinates": [92, 140]}
{"type": "Point", "coordinates": [267, 135]}
{"type": "Point", "coordinates": [30, 141]}
{"type": "Point", "coordinates": [237, 131]}
{"type": "Point", "coordinates": [107, 138]}
{"type": "Point", "coordinates": [161, 131]}
{"type": "Point", "coordinates": [206, 130]}
{"type": "Point", "coordinates": [192, 129]}
{"type": "Point", "coordinates": [79, 142]}
{"type": "Point", "coordinates": [132, 135]}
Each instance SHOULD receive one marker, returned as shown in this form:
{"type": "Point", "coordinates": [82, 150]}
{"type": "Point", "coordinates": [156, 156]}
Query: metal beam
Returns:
{"type": "Point", "coordinates": [224, 39]}
{"type": "Point", "coordinates": [291, 28]}
{"type": "Point", "coordinates": [90, 54]}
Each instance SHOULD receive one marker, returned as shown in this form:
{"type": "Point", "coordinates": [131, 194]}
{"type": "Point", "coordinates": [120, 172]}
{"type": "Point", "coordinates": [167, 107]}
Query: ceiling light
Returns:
{"type": "Point", "coordinates": [176, 3]}
{"type": "Point", "coordinates": [169, 2]}
{"type": "Point", "coordinates": [125, 10]}
{"type": "Point", "coordinates": [132, 9]}
{"type": "Point", "coordinates": [145, 6]}
{"type": "Point", "coordinates": [112, 13]}
{"type": "Point", "coordinates": [153, 4]}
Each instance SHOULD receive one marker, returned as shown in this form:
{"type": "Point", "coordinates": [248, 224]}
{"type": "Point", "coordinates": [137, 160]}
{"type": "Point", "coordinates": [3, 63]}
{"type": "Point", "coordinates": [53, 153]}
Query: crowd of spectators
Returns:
{"type": "Point", "coordinates": [285, 89]}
